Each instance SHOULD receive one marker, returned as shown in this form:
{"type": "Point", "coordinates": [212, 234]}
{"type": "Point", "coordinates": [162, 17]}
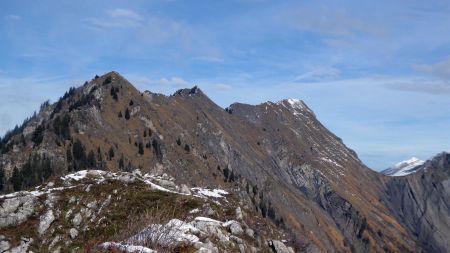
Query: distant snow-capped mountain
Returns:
{"type": "Point", "coordinates": [404, 168]}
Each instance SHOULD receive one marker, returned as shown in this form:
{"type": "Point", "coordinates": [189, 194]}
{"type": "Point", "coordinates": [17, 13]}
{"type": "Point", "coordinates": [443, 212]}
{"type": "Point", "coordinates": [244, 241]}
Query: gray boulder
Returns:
{"type": "Point", "coordinates": [236, 229]}
{"type": "Point", "coordinates": [45, 221]}
{"type": "Point", "coordinates": [14, 211]}
{"type": "Point", "coordinates": [279, 247]}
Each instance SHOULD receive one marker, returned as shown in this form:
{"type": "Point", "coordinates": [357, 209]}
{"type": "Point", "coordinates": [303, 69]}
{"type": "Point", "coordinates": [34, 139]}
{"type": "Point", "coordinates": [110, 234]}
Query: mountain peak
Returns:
{"type": "Point", "coordinates": [293, 102]}
{"type": "Point", "coordinates": [188, 91]}
{"type": "Point", "coordinates": [296, 106]}
{"type": "Point", "coordinates": [405, 167]}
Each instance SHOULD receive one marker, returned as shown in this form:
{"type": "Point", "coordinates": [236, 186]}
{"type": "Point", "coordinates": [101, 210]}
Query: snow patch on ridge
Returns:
{"type": "Point", "coordinates": [296, 106]}
{"type": "Point", "coordinates": [404, 168]}
{"type": "Point", "coordinates": [215, 193]}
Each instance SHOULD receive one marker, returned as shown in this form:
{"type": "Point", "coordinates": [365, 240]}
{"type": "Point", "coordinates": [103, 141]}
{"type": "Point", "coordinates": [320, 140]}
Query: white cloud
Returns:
{"type": "Point", "coordinates": [331, 20]}
{"type": "Point", "coordinates": [223, 87]}
{"type": "Point", "coordinates": [173, 81]}
{"type": "Point", "coordinates": [116, 18]}
{"type": "Point", "coordinates": [176, 82]}
{"type": "Point", "coordinates": [13, 17]}
{"type": "Point", "coordinates": [126, 14]}
{"type": "Point", "coordinates": [212, 58]}
{"type": "Point", "coordinates": [319, 74]}
{"type": "Point", "coordinates": [140, 34]}
{"type": "Point", "coordinates": [421, 85]}
{"type": "Point", "coordinates": [440, 69]}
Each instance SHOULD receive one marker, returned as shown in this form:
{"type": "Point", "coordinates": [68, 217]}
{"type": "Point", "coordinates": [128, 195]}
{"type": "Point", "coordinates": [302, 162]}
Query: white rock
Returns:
{"type": "Point", "coordinates": [196, 210]}
{"type": "Point", "coordinates": [45, 221]}
{"type": "Point", "coordinates": [241, 248]}
{"type": "Point", "coordinates": [52, 198]}
{"type": "Point", "coordinates": [69, 212]}
{"type": "Point", "coordinates": [73, 233]}
{"type": "Point", "coordinates": [185, 189]}
{"type": "Point", "coordinates": [236, 239]}
{"type": "Point", "coordinates": [4, 246]}
{"type": "Point", "coordinates": [250, 232]}
{"type": "Point", "coordinates": [76, 221]}
{"type": "Point", "coordinates": [16, 210]}
{"type": "Point", "coordinates": [206, 225]}
{"type": "Point", "coordinates": [166, 183]}
{"type": "Point", "coordinates": [92, 205]}
{"type": "Point", "coordinates": [126, 247]}
{"type": "Point", "coordinates": [208, 210]}
{"type": "Point", "coordinates": [72, 200]}
{"type": "Point", "coordinates": [239, 215]}
{"type": "Point", "coordinates": [278, 247]}
{"type": "Point", "coordinates": [54, 242]}
{"type": "Point", "coordinates": [236, 229]}
{"type": "Point", "coordinates": [207, 250]}
{"type": "Point", "coordinates": [22, 248]}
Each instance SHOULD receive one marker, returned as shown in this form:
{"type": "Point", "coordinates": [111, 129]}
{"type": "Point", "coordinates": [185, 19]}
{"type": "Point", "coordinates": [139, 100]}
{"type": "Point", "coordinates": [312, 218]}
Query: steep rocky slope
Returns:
{"type": "Point", "coordinates": [421, 201]}
{"type": "Point", "coordinates": [277, 158]}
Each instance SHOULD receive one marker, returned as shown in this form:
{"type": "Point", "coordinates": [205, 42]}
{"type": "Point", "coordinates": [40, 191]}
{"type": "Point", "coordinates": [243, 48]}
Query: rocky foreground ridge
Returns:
{"type": "Point", "coordinates": [130, 212]}
{"type": "Point", "coordinates": [278, 161]}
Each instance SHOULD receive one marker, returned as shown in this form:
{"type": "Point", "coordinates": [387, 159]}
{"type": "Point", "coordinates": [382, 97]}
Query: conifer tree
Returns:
{"type": "Point", "coordinates": [141, 148]}
{"type": "Point", "coordinates": [2, 176]}
{"type": "Point", "coordinates": [127, 114]}
{"type": "Point", "coordinates": [16, 180]}
{"type": "Point", "coordinates": [91, 159]}
{"type": "Point", "coordinates": [111, 153]}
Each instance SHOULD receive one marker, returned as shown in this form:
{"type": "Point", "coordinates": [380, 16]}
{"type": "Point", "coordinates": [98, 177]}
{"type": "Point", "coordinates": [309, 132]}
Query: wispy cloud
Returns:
{"type": "Point", "coordinates": [223, 87]}
{"type": "Point", "coordinates": [13, 17]}
{"type": "Point", "coordinates": [436, 87]}
{"type": "Point", "coordinates": [176, 82]}
{"type": "Point", "coordinates": [125, 14]}
{"type": "Point", "coordinates": [440, 69]}
{"type": "Point", "coordinates": [319, 74]}
{"type": "Point", "coordinates": [328, 19]}
{"type": "Point", "coordinates": [116, 18]}
{"type": "Point", "coordinates": [173, 81]}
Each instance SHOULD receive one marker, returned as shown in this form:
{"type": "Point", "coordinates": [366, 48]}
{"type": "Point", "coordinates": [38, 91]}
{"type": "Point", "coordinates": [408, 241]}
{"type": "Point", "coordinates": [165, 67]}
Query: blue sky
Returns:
{"type": "Point", "coordinates": [376, 73]}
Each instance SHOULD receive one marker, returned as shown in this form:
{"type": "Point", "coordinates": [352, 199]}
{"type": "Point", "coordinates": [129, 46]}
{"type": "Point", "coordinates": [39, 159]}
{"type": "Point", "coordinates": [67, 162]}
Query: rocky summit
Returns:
{"type": "Point", "coordinates": [108, 168]}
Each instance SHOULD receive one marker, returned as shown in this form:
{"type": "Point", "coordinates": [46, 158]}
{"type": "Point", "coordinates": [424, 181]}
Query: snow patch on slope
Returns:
{"type": "Point", "coordinates": [296, 106]}
{"type": "Point", "coordinates": [215, 193]}
{"type": "Point", "coordinates": [404, 168]}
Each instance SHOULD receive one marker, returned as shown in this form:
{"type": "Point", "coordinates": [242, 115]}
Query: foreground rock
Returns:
{"type": "Point", "coordinates": [85, 206]}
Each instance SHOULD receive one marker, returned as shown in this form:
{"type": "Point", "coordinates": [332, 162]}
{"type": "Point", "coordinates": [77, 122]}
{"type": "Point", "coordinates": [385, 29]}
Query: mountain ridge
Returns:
{"type": "Point", "coordinates": [403, 168]}
{"type": "Point", "coordinates": [278, 157]}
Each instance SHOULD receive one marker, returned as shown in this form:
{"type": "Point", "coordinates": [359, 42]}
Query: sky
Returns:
{"type": "Point", "coordinates": [376, 73]}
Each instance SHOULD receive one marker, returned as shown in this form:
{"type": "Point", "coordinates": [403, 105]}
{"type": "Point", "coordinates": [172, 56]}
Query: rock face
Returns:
{"type": "Point", "coordinates": [15, 211]}
{"type": "Point", "coordinates": [139, 214]}
{"type": "Point", "coordinates": [277, 157]}
{"type": "Point", "coordinates": [279, 247]}
{"type": "Point", "coordinates": [45, 221]}
{"type": "Point", "coordinates": [421, 202]}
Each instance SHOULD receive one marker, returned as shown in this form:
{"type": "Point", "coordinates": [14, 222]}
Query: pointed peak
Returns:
{"type": "Point", "coordinates": [111, 76]}
{"type": "Point", "coordinates": [188, 92]}
{"type": "Point", "coordinates": [404, 168]}
{"type": "Point", "coordinates": [295, 106]}
{"type": "Point", "coordinates": [293, 102]}
{"type": "Point", "coordinates": [108, 78]}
